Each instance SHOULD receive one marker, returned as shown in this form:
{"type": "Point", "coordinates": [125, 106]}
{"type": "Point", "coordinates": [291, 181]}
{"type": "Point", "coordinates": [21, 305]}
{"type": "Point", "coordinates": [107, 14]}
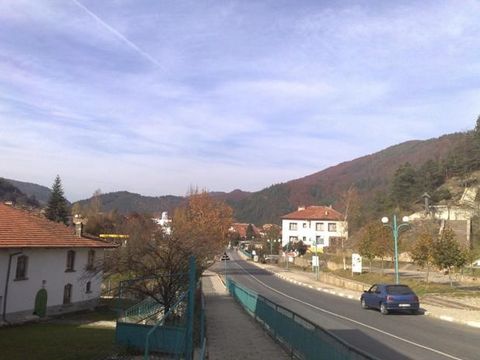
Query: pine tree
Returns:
{"type": "Point", "coordinates": [57, 209]}
{"type": "Point", "coordinates": [405, 187]}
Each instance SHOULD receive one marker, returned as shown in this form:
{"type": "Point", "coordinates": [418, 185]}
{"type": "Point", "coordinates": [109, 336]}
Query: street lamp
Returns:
{"type": "Point", "coordinates": [395, 229]}
{"type": "Point", "coordinates": [286, 255]}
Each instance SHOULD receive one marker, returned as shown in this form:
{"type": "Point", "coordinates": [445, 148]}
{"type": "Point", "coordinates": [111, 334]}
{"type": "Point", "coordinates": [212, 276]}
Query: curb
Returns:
{"type": "Point", "coordinates": [475, 324]}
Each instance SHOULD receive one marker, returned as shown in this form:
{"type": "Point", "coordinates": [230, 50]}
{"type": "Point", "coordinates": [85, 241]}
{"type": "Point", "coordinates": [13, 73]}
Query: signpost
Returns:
{"type": "Point", "coordinates": [356, 264]}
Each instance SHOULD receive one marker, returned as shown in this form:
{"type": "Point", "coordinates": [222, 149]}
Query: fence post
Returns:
{"type": "Point", "coordinates": [191, 308]}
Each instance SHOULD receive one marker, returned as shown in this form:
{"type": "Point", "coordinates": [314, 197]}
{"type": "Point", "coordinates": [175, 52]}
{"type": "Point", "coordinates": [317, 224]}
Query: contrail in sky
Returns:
{"type": "Point", "coordinates": [118, 35]}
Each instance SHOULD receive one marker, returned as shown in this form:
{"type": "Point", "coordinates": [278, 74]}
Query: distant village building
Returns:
{"type": "Point", "coordinates": [164, 222]}
{"type": "Point", "coordinates": [241, 230]}
{"type": "Point", "coordinates": [46, 268]}
{"type": "Point", "coordinates": [457, 217]}
{"type": "Point", "coordinates": [313, 225]}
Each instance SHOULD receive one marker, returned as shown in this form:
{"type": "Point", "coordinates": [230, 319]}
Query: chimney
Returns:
{"type": "Point", "coordinates": [300, 208]}
{"type": "Point", "coordinates": [78, 229]}
{"type": "Point", "coordinates": [77, 220]}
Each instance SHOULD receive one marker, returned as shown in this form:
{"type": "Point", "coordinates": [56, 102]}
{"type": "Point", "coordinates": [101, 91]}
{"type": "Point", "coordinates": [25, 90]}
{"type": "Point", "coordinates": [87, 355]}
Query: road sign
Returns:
{"type": "Point", "coordinates": [356, 263]}
{"type": "Point", "coordinates": [225, 257]}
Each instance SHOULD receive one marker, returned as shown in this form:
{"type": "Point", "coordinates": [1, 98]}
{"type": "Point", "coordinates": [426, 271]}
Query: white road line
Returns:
{"type": "Point", "coordinates": [351, 320]}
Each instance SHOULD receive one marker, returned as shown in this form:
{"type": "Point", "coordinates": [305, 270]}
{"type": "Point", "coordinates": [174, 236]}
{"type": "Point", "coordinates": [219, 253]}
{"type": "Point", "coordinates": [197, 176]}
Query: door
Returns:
{"type": "Point", "coordinates": [370, 296]}
{"type": "Point", "coordinates": [41, 303]}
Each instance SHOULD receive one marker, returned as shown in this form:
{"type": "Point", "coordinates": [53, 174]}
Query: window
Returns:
{"type": "Point", "coordinates": [304, 225]}
{"type": "Point", "coordinates": [319, 227]}
{"type": "Point", "coordinates": [320, 240]}
{"type": "Point", "coordinates": [293, 226]}
{"type": "Point", "coordinates": [21, 272]}
{"type": "Point", "coordinates": [293, 239]}
{"type": "Point", "coordinates": [67, 294]}
{"type": "Point", "coordinates": [88, 288]}
{"type": "Point", "coordinates": [91, 260]}
{"type": "Point", "coordinates": [70, 260]}
{"type": "Point", "coordinates": [332, 227]}
{"type": "Point", "coordinates": [304, 239]}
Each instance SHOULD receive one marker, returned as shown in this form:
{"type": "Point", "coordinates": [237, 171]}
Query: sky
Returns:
{"type": "Point", "coordinates": [156, 96]}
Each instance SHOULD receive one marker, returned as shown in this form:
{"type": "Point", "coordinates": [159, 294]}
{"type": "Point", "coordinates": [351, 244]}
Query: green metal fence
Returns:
{"type": "Point", "coordinates": [302, 338]}
{"type": "Point", "coordinates": [203, 335]}
{"type": "Point", "coordinates": [246, 253]}
{"type": "Point", "coordinates": [145, 309]}
{"type": "Point", "coordinates": [172, 335]}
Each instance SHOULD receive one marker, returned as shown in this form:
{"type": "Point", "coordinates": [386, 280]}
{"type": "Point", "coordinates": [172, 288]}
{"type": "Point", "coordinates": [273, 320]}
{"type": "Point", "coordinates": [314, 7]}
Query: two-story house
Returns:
{"type": "Point", "coordinates": [314, 225]}
{"type": "Point", "coordinates": [46, 268]}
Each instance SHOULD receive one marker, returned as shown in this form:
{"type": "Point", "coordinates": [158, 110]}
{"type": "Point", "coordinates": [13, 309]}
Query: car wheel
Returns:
{"type": "Point", "coordinates": [383, 309]}
{"type": "Point", "coordinates": [414, 312]}
{"type": "Point", "coordinates": [364, 304]}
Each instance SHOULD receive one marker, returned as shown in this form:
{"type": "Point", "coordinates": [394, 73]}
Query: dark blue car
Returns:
{"type": "Point", "coordinates": [387, 297]}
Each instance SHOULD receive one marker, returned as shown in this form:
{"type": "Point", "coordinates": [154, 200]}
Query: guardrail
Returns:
{"type": "Point", "coordinates": [302, 338]}
{"type": "Point", "coordinates": [246, 253]}
{"type": "Point", "coordinates": [203, 337]}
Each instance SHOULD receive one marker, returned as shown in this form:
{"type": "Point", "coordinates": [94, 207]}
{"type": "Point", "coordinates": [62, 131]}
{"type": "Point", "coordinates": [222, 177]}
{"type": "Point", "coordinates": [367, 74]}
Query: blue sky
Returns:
{"type": "Point", "coordinates": [157, 96]}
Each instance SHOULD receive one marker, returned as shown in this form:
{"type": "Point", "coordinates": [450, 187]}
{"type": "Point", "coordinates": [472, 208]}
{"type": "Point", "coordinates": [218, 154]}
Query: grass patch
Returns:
{"type": "Point", "coordinates": [420, 287]}
{"type": "Point", "coordinates": [71, 336]}
{"type": "Point", "coordinates": [47, 341]}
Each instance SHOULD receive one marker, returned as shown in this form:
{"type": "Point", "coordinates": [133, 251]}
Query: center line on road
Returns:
{"type": "Point", "coordinates": [351, 320]}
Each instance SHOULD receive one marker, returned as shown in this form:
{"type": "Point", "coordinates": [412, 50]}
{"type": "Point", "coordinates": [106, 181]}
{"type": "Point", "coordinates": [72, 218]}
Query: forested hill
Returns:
{"type": "Point", "coordinates": [371, 176]}
{"type": "Point", "coordinates": [39, 192]}
{"type": "Point", "coordinates": [391, 178]}
{"type": "Point", "coordinates": [126, 202]}
{"type": "Point", "coordinates": [8, 192]}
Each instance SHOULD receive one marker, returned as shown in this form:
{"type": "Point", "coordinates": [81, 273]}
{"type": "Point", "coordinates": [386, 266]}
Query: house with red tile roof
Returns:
{"type": "Point", "coordinates": [46, 268]}
{"type": "Point", "coordinates": [314, 225]}
{"type": "Point", "coordinates": [241, 230]}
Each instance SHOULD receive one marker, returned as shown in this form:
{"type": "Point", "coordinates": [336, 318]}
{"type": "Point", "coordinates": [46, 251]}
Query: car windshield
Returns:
{"type": "Point", "coordinates": [399, 290]}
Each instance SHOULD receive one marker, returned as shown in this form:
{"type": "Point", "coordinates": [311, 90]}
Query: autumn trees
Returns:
{"type": "Point", "coordinates": [157, 260]}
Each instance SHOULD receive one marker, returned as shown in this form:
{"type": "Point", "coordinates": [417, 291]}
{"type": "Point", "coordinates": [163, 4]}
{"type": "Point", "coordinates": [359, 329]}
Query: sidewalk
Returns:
{"type": "Point", "coordinates": [231, 332]}
{"type": "Point", "coordinates": [466, 316]}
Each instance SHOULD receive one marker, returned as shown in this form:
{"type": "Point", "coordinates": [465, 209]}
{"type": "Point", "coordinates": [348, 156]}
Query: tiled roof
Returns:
{"type": "Point", "coordinates": [241, 229]}
{"type": "Point", "coordinates": [315, 213]}
{"type": "Point", "coordinates": [23, 229]}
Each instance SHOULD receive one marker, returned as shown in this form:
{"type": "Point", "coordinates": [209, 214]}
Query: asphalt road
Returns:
{"type": "Point", "coordinates": [390, 337]}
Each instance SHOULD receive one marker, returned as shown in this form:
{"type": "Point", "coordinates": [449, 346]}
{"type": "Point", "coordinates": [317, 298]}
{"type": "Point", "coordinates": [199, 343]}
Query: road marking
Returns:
{"type": "Point", "coordinates": [446, 318]}
{"type": "Point", "coordinates": [351, 320]}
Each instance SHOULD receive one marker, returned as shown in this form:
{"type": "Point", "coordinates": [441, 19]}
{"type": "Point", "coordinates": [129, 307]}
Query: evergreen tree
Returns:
{"type": "Point", "coordinates": [405, 187]}
{"type": "Point", "coordinates": [430, 176]}
{"type": "Point", "coordinates": [57, 209]}
{"type": "Point", "coordinates": [250, 233]}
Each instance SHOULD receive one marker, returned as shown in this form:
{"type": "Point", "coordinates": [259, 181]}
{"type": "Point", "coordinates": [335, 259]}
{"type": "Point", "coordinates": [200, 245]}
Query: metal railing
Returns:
{"type": "Point", "coordinates": [302, 338]}
{"type": "Point", "coordinates": [203, 337]}
{"type": "Point", "coordinates": [179, 346]}
{"type": "Point", "coordinates": [141, 311]}
{"type": "Point", "coordinates": [246, 253]}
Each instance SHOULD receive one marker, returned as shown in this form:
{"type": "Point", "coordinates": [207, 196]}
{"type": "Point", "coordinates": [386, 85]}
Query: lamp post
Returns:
{"type": "Point", "coordinates": [317, 268]}
{"type": "Point", "coordinates": [395, 229]}
{"type": "Point", "coordinates": [286, 255]}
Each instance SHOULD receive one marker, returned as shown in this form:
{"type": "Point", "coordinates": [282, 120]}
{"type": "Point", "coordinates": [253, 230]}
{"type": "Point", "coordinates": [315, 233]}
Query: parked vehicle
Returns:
{"type": "Point", "coordinates": [388, 297]}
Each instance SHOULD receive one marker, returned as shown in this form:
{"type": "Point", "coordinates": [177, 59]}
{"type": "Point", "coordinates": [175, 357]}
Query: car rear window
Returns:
{"type": "Point", "coordinates": [399, 290]}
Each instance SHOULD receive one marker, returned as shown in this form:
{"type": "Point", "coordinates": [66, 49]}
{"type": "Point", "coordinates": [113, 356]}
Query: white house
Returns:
{"type": "Point", "coordinates": [46, 268]}
{"type": "Point", "coordinates": [313, 224]}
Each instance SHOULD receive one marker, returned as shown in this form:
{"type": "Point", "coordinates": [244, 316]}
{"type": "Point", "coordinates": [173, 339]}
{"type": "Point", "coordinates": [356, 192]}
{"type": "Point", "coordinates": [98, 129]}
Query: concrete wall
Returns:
{"type": "Point", "coordinates": [47, 269]}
